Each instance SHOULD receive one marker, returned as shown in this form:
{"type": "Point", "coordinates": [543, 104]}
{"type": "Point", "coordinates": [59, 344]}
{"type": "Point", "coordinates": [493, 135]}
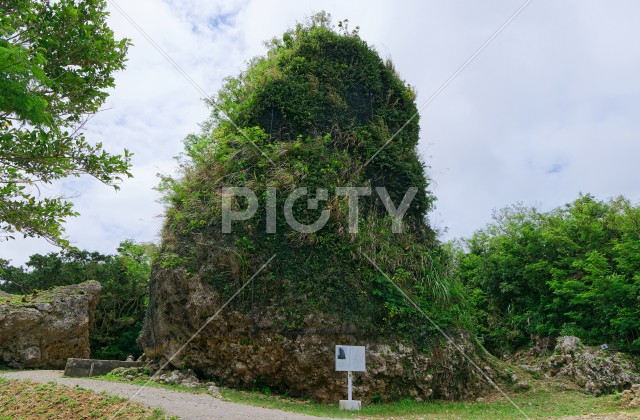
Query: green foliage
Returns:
{"type": "Point", "coordinates": [57, 60]}
{"type": "Point", "coordinates": [319, 105]}
{"type": "Point", "coordinates": [123, 299]}
{"type": "Point", "coordinates": [573, 270]}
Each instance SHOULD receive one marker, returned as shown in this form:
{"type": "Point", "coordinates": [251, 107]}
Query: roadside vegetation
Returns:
{"type": "Point", "coordinates": [30, 400]}
{"type": "Point", "coordinates": [536, 404]}
{"type": "Point", "coordinates": [569, 271]}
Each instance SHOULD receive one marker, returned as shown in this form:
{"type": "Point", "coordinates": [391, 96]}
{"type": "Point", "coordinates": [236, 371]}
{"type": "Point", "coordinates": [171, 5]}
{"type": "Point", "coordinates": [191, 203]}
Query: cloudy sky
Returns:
{"type": "Point", "coordinates": [549, 109]}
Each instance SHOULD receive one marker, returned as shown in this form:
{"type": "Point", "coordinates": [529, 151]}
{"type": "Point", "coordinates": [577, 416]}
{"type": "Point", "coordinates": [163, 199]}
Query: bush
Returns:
{"type": "Point", "coordinates": [570, 271]}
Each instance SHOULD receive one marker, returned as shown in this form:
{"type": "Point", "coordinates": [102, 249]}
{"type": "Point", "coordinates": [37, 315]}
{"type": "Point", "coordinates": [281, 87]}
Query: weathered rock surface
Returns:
{"type": "Point", "coordinates": [599, 372]}
{"type": "Point", "coordinates": [630, 398]}
{"type": "Point", "coordinates": [591, 368]}
{"type": "Point", "coordinates": [249, 350]}
{"type": "Point", "coordinates": [42, 331]}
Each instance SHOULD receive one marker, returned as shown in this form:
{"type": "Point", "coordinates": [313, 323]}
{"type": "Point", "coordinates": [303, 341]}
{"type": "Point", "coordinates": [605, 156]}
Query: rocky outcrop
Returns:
{"type": "Point", "coordinates": [186, 378]}
{"type": "Point", "coordinates": [43, 330]}
{"type": "Point", "coordinates": [597, 371]}
{"type": "Point", "coordinates": [630, 398]}
{"type": "Point", "coordinates": [254, 350]}
{"type": "Point", "coordinates": [304, 365]}
{"type": "Point", "coordinates": [325, 287]}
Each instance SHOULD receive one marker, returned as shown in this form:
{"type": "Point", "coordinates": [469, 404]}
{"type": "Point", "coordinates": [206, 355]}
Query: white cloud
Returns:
{"type": "Point", "coordinates": [548, 110]}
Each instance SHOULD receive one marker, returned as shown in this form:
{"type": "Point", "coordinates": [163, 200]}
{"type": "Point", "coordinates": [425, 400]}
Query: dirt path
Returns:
{"type": "Point", "coordinates": [175, 403]}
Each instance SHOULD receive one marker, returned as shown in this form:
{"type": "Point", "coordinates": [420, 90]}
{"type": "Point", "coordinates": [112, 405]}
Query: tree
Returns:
{"type": "Point", "coordinates": [570, 271]}
{"type": "Point", "coordinates": [123, 302]}
{"type": "Point", "coordinates": [56, 61]}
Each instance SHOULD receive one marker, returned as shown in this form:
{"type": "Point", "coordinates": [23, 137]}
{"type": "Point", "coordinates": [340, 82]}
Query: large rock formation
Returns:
{"type": "Point", "coordinates": [43, 330]}
{"type": "Point", "coordinates": [322, 107]}
{"type": "Point", "coordinates": [254, 350]}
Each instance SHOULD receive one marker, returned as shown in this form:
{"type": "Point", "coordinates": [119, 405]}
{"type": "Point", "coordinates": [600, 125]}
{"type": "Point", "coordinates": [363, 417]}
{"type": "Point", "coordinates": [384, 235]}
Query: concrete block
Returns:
{"type": "Point", "coordinates": [92, 367]}
{"type": "Point", "coordinates": [352, 405]}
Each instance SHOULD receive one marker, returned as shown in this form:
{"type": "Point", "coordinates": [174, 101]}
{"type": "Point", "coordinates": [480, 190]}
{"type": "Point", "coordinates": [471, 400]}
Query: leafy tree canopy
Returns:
{"type": "Point", "coordinates": [57, 60]}
{"type": "Point", "coordinates": [573, 270]}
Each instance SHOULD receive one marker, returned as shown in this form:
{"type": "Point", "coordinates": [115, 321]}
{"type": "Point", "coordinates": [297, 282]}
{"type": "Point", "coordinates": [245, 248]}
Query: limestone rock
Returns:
{"type": "Point", "coordinates": [596, 371]}
{"type": "Point", "coordinates": [568, 345]}
{"type": "Point", "coordinates": [44, 331]}
{"type": "Point", "coordinates": [213, 390]}
{"type": "Point", "coordinates": [630, 398]}
{"type": "Point", "coordinates": [184, 378]}
{"type": "Point", "coordinates": [240, 350]}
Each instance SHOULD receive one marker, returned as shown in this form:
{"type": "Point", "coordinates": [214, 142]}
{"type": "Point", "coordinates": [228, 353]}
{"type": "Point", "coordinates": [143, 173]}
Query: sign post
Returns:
{"type": "Point", "coordinates": [350, 359]}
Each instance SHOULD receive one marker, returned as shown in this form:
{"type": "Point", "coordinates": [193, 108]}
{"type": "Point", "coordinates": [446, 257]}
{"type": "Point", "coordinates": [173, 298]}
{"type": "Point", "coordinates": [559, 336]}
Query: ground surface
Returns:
{"type": "Point", "coordinates": [28, 400]}
{"type": "Point", "coordinates": [183, 405]}
{"type": "Point", "coordinates": [553, 402]}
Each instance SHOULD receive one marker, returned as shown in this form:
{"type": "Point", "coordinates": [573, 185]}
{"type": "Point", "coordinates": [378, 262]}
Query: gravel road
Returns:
{"type": "Point", "coordinates": [175, 403]}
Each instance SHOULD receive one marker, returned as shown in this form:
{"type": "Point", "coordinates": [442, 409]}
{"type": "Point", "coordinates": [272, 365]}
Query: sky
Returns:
{"type": "Point", "coordinates": [548, 110]}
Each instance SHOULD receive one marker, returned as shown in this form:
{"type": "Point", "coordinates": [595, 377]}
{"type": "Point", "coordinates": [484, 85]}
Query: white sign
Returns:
{"type": "Point", "coordinates": [350, 359]}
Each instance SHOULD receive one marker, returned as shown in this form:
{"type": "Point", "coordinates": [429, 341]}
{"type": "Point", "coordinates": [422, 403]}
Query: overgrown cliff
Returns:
{"type": "Point", "coordinates": [322, 111]}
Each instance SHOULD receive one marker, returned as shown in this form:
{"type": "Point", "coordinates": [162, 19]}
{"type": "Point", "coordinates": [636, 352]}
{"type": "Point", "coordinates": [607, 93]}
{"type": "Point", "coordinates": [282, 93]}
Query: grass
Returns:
{"type": "Point", "coordinates": [31, 400]}
{"type": "Point", "coordinates": [545, 399]}
{"type": "Point", "coordinates": [12, 300]}
{"type": "Point", "coordinates": [536, 404]}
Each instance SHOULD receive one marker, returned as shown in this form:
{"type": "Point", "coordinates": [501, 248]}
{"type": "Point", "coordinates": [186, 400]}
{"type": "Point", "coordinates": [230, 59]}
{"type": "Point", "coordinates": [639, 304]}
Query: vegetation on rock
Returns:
{"type": "Point", "coordinates": [310, 114]}
{"type": "Point", "coordinates": [316, 112]}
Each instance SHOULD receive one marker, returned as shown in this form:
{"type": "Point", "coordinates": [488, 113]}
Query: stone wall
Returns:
{"type": "Point", "coordinates": [43, 330]}
{"type": "Point", "coordinates": [82, 368]}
